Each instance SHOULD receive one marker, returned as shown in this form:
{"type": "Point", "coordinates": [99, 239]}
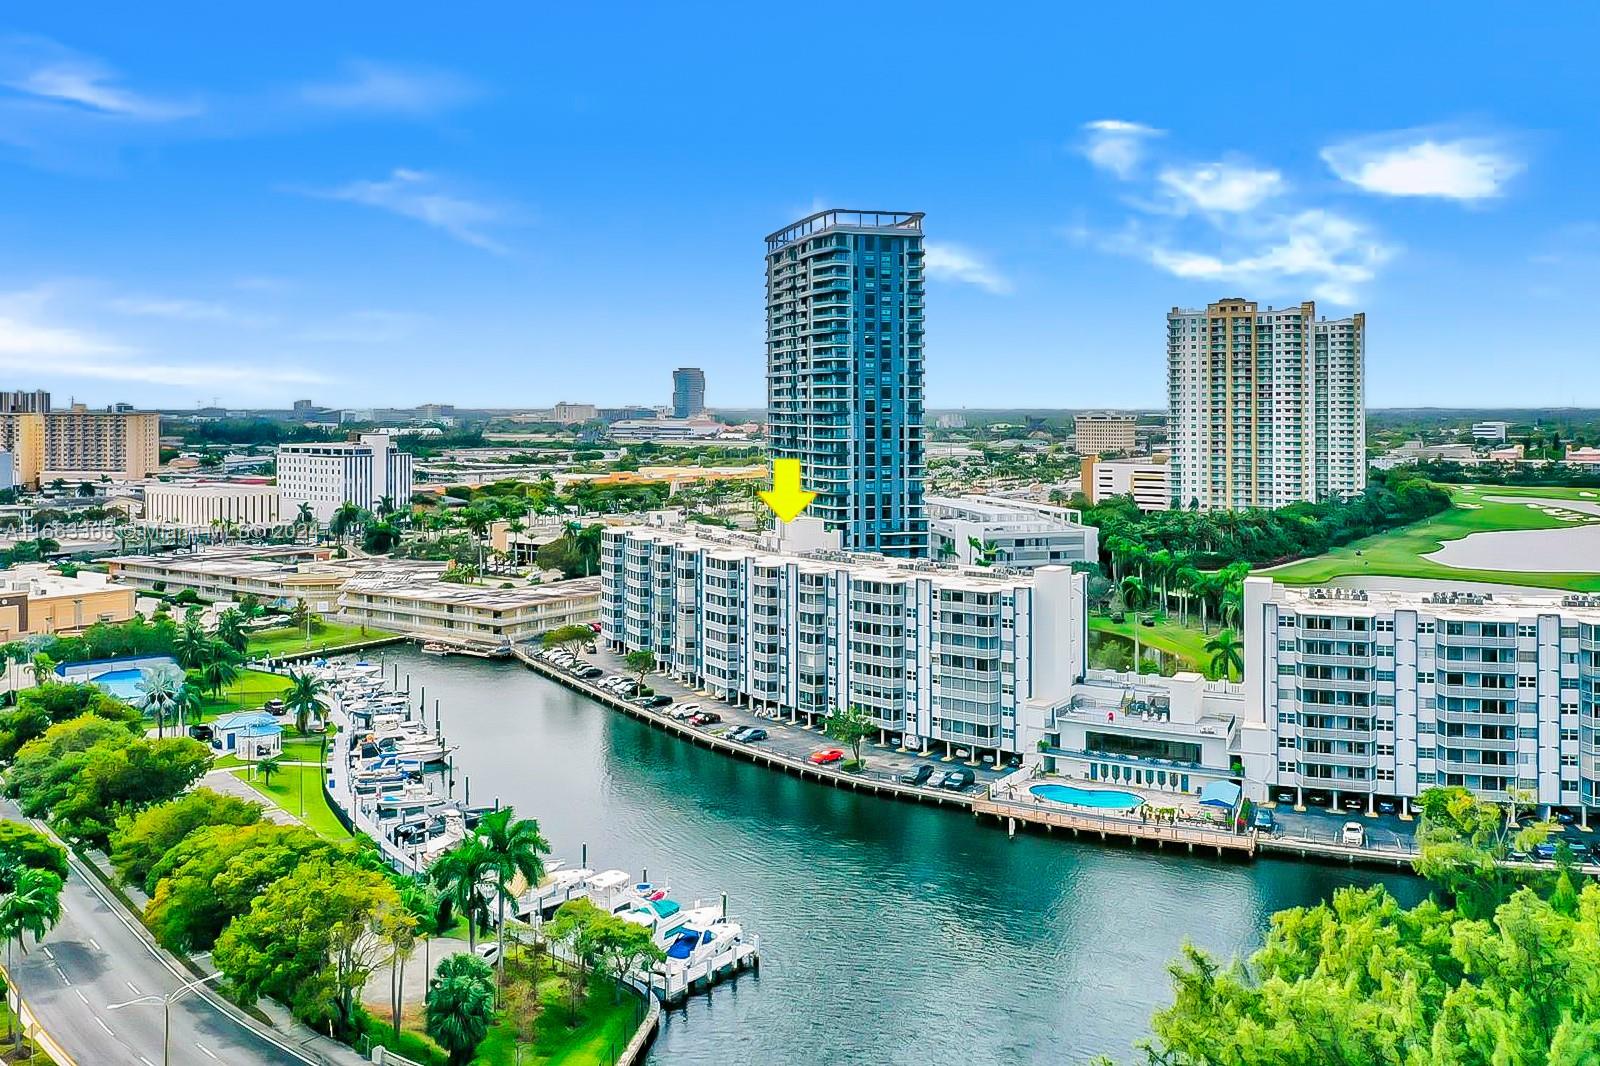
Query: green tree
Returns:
{"type": "Point", "coordinates": [193, 646]}
{"type": "Point", "coordinates": [622, 947]}
{"type": "Point", "coordinates": [460, 874]}
{"type": "Point", "coordinates": [1227, 659]}
{"type": "Point", "coordinates": [141, 840]}
{"type": "Point", "coordinates": [158, 692]}
{"type": "Point", "coordinates": [22, 845]}
{"type": "Point", "coordinates": [304, 698]}
{"type": "Point", "coordinates": [221, 671]}
{"type": "Point", "coordinates": [514, 848]}
{"type": "Point", "coordinates": [312, 940]}
{"type": "Point", "coordinates": [1463, 843]}
{"type": "Point", "coordinates": [44, 669]}
{"type": "Point", "coordinates": [231, 632]}
{"type": "Point", "coordinates": [124, 776]}
{"type": "Point", "coordinates": [30, 902]}
{"type": "Point", "coordinates": [576, 926]}
{"type": "Point", "coordinates": [460, 1006]}
{"type": "Point", "coordinates": [268, 767]}
{"type": "Point", "coordinates": [571, 638]}
{"type": "Point", "coordinates": [851, 725]}
{"type": "Point", "coordinates": [216, 872]}
{"type": "Point", "coordinates": [641, 662]}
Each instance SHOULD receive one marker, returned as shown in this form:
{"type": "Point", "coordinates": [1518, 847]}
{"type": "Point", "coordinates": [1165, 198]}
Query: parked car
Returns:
{"type": "Point", "coordinates": [1581, 851]}
{"type": "Point", "coordinates": [1353, 835]}
{"type": "Point", "coordinates": [917, 775]}
{"type": "Point", "coordinates": [1545, 850]}
{"type": "Point", "coordinates": [201, 732]}
{"type": "Point", "coordinates": [660, 699]}
{"type": "Point", "coordinates": [1353, 803]}
{"type": "Point", "coordinates": [1565, 817]}
{"type": "Point", "coordinates": [1264, 821]}
{"type": "Point", "coordinates": [274, 706]}
{"type": "Point", "coordinates": [748, 734]}
{"type": "Point", "coordinates": [957, 779]}
{"type": "Point", "coordinates": [1284, 795]}
{"type": "Point", "coordinates": [706, 718]}
{"type": "Point", "coordinates": [1386, 807]}
{"type": "Point", "coordinates": [684, 711]}
{"type": "Point", "coordinates": [489, 951]}
{"type": "Point", "coordinates": [589, 673]}
{"type": "Point", "coordinates": [825, 757]}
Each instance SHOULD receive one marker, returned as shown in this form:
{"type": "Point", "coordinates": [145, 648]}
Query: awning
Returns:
{"type": "Point", "coordinates": [1224, 794]}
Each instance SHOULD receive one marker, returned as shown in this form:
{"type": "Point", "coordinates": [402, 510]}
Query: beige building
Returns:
{"type": "Point", "coordinates": [1147, 480]}
{"type": "Point", "coordinates": [1105, 433]}
{"type": "Point", "coordinates": [78, 444]}
{"type": "Point", "coordinates": [201, 503]}
{"type": "Point", "coordinates": [407, 600]}
{"type": "Point", "coordinates": [35, 600]}
{"type": "Point", "coordinates": [278, 575]}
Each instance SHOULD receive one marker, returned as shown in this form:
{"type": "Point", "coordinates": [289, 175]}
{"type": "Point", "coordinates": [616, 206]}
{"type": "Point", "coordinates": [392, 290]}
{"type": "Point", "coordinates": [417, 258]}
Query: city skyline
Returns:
{"type": "Point", "coordinates": [200, 223]}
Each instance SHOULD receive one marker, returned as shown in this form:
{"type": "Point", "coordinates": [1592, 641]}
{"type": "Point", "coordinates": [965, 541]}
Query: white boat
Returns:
{"type": "Point", "coordinates": [697, 943]}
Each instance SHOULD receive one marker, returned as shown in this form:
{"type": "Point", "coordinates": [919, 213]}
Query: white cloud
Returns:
{"type": "Point", "coordinates": [416, 195]}
{"type": "Point", "coordinates": [951, 262]}
{"type": "Point", "coordinates": [1413, 164]}
{"type": "Point", "coordinates": [181, 310]}
{"type": "Point", "coordinates": [367, 86]}
{"type": "Point", "coordinates": [366, 327]}
{"type": "Point", "coordinates": [1327, 253]}
{"type": "Point", "coordinates": [41, 68]}
{"type": "Point", "coordinates": [1116, 145]}
{"type": "Point", "coordinates": [1221, 186]}
{"type": "Point", "coordinates": [32, 344]}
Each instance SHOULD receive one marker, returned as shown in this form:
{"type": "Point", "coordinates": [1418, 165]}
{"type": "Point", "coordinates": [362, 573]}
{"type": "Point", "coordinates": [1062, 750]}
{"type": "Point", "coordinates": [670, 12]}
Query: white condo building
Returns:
{"type": "Point", "coordinates": [325, 476]}
{"type": "Point", "coordinates": [1018, 534]}
{"type": "Point", "coordinates": [937, 654]}
{"type": "Point", "coordinates": [1383, 695]}
{"type": "Point", "coordinates": [1266, 405]}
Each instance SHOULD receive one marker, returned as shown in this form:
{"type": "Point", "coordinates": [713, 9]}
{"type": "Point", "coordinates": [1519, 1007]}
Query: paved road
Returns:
{"type": "Point", "coordinates": [796, 741]}
{"type": "Point", "coordinates": [94, 959]}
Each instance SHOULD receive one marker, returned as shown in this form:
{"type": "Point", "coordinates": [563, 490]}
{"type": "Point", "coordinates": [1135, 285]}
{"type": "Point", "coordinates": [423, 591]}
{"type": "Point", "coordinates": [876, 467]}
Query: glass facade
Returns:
{"type": "Point", "coordinates": [845, 371]}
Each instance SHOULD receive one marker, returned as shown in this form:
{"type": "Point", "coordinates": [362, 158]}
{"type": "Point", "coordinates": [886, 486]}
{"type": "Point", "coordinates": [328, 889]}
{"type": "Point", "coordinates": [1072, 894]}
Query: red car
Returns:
{"type": "Point", "coordinates": [825, 756]}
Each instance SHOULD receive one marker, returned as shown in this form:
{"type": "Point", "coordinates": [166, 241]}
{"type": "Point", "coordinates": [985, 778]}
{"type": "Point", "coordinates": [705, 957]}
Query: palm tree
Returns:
{"type": "Point", "coordinates": [427, 910]}
{"type": "Point", "coordinates": [947, 550]}
{"type": "Point", "coordinates": [230, 630]}
{"type": "Point", "coordinates": [983, 551]}
{"type": "Point", "coordinates": [219, 673]}
{"type": "Point", "coordinates": [460, 1006]}
{"type": "Point", "coordinates": [192, 645]}
{"type": "Point", "coordinates": [272, 764]}
{"type": "Point", "coordinates": [515, 848]}
{"type": "Point", "coordinates": [189, 704]}
{"type": "Point", "coordinates": [158, 692]}
{"type": "Point", "coordinates": [304, 698]}
{"type": "Point", "coordinates": [1226, 657]}
{"type": "Point", "coordinates": [385, 506]}
{"type": "Point", "coordinates": [30, 902]}
{"type": "Point", "coordinates": [305, 517]}
{"type": "Point", "coordinates": [459, 874]}
{"type": "Point", "coordinates": [587, 542]}
{"type": "Point", "coordinates": [346, 518]}
{"type": "Point", "coordinates": [44, 668]}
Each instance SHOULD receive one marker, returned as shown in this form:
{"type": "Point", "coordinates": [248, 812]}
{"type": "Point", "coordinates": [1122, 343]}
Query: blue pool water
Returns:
{"type": "Point", "coordinates": [123, 684]}
{"type": "Point", "coordinates": [1105, 798]}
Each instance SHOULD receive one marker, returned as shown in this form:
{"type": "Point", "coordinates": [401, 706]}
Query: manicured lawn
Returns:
{"type": "Point", "coordinates": [1185, 642]}
{"type": "Point", "coordinates": [1400, 553]}
{"type": "Point", "coordinates": [253, 688]}
{"type": "Point", "coordinates": [329, 636]}
{"type": "Point", "coordinates": [604, 1028]}
{"type": "Point", "coordinates": [285, 791]}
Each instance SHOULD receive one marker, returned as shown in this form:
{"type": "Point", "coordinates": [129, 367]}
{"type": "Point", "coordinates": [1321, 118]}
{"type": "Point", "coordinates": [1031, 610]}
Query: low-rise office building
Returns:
{"type": "Point", "coordinates": [412, 599]}
{"type": "Point", "coordinates": [991, 531]}
{"type": "Point", "coordinates": [36, 600]}
{"type": "Point", "coordinates": [936, 654]}
{"type": "Point", "coordinates": [1148, 481]}
{"type": "Point", "coordinates": [202, 504]}
{"type": "Point", "coordinates": [274, 575]}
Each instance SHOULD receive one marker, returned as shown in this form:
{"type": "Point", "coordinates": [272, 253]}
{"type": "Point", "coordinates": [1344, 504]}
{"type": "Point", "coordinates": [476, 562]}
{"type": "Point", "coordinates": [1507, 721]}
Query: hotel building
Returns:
{"type": "Point", "coordinates": [1266, 405]}
{"type": "Point", "coordinates": [78, 444]}
{"type": "Point", "coordinates": [326, 476]}
{"type": "Point", "coordinates": [844, 371]}
{"type": "Point", "coordinates": [937, 655]}
{"type": "Point", "coordinates": [1100, 434]}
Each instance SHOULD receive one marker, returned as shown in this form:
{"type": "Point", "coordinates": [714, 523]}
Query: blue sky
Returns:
{"type": "Point", "coordinates": [394, 204]}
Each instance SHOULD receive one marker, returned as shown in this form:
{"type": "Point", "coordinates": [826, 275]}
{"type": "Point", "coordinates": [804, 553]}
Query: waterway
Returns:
{"type": "Point", "coordinates": [890, 933]}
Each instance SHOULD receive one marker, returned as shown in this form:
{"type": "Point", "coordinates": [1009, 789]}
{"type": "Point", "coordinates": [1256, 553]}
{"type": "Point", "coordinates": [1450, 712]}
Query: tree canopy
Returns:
{"type": "Point", "coordinates": [141, 840]}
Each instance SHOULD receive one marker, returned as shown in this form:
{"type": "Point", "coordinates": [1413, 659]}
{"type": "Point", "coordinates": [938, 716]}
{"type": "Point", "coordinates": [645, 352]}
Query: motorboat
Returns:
{"type": "Point", "coordinates": [697, 943]}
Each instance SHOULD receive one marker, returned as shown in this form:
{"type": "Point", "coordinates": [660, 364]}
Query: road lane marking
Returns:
{"type": "Point", "coordinates": [133, 988]}
{"type": "Point", "coordinates": [64, 979]}
{"type": "Point", "coordinates": [95, 944]}
{"type": "Point", "coordinates": [146, 1061]}
{"type": "Point", "coordinates": [81, 996]}
{"type": "Point", "coordinates": [101, 1023]}
{"type": "Point", "coordinates": [48, 955]}
{"type": "Point", "coordinates": [207, 1050]}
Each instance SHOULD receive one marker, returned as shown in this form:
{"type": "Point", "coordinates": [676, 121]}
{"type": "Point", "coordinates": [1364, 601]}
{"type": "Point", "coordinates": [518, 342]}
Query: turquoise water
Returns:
{"type": "Point", "coordinates": [123, 684]}
{"type": "Point", "coordinates": [1104, 798]}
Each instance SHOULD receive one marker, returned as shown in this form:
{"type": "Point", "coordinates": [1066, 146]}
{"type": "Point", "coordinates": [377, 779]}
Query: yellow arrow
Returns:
{"type": "Point", "coordinates": [786, 498]}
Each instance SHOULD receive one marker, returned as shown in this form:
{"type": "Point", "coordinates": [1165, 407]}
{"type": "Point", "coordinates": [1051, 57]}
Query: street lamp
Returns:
{"type": "Point", "coordinates": [166, 1002]}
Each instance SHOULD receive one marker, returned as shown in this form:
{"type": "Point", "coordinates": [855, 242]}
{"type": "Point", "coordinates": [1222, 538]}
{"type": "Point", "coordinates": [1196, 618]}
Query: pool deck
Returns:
{"type": "Point", "coordinates": [1016, 808]}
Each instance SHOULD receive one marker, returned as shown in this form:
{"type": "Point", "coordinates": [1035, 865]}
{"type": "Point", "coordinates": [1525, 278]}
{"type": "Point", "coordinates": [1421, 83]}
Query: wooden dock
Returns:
{"type": "Point", "coordinates": [1014, 815]}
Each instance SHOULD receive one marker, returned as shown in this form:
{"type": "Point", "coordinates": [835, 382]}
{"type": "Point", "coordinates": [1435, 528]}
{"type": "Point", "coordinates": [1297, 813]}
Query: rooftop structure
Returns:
{"type": "Point", "coordinates": [35, 600]}
{"type": "Point", "coordinates": [414, 600]}
{"type": "Point", "coordinates": [994, 531]}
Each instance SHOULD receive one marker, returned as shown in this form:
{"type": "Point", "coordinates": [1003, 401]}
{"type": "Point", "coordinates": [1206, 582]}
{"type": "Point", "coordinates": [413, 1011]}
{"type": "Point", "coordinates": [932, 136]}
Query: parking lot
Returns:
{"type": "Point", "coordinates": [884, 764]}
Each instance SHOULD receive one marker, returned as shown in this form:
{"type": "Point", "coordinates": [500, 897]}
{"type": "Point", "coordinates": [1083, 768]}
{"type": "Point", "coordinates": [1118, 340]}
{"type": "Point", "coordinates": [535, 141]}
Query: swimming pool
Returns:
{"type": "Point", "coordinates": [1103, 798]}
{"type": "Point", "coordinates": [123, 684]}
